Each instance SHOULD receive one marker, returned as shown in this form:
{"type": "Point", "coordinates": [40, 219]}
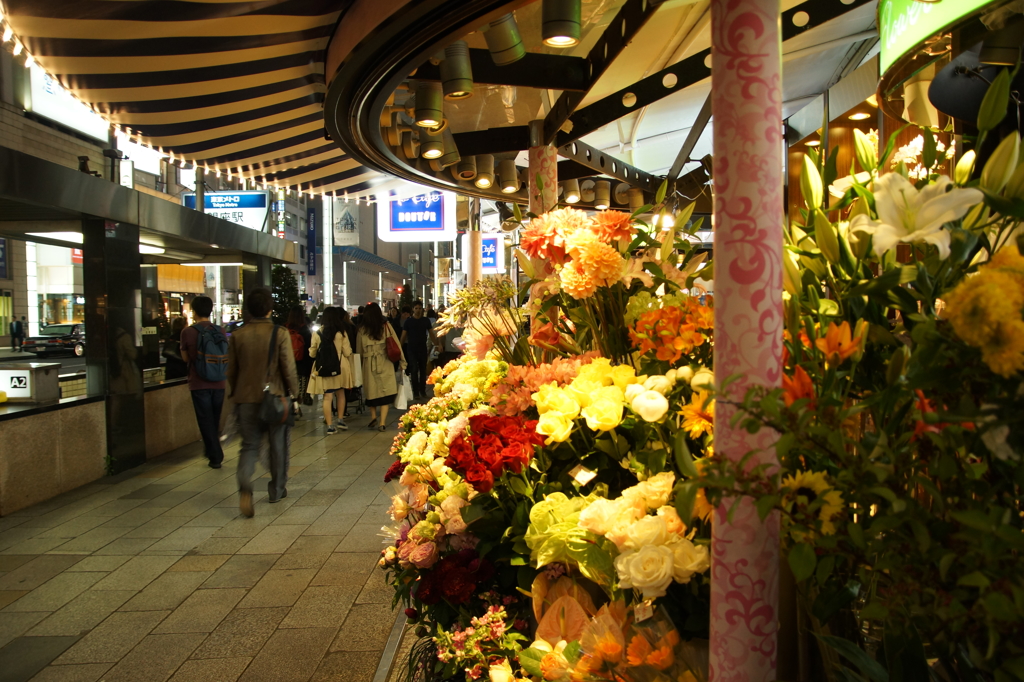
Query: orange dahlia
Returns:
{"type": "Point", "coordinates": [601, 261]}
{"type": "Point", "coordinates": [576, 282]}
{"type": "Point", "coordinates": [613, 225]}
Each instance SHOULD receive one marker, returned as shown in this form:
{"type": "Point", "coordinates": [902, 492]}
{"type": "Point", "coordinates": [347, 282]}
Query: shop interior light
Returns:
{"type": "Point", "coordinates": [508, 176]}
{"type": "Point", "coordinates": [457, 72]}
{"type": "Point", "coordinates": [571, 191]}
{"type": "Point", "coordinates": [812, 143]}
{"type": "Point", "coordinates": [503, 40]}
{"type": "Point", "coordinates": [203, 265]}
{"type": "Point", "coordinates": [561, 22]}
{"type": "Point", "coordinates": [466, 168]}
{"type": "Point", "coordinates": [72, 237]}
{"type": "Point", "coordinates": [451, 155]}
{"type": "Point", "coordinates": [484, 171]}
{"type": "Point", "coordinates": [602, 193]}
{"type": "Point", "coordinates": [150, 249]}
{"type": "Point", "coordinates": [8, 33]}
{"type": "Point", "coordinates": [860, 116]}
{"type": "Point", "coordinates": [431, 145]}
{"type": "Point", "coordinates": [429, 104]}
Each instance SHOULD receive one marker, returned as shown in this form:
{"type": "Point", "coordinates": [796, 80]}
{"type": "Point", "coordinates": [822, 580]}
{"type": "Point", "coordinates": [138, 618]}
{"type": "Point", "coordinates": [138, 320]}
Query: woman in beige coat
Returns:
{"type": "Point", "coordinates": [333, 386]}
{"type": "Point", "coordinates": [379, 384]}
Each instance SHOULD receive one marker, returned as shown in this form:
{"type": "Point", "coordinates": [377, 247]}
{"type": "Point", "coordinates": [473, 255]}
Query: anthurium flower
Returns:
{"type": "Point", "coordinates": [906, 214]}
{"type": "Point", "coordinates": [837, 344]}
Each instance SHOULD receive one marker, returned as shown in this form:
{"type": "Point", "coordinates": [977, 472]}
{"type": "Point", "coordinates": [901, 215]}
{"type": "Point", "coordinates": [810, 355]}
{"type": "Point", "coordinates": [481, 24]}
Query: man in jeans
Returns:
{"type": "Point", "coordinates": [249, 349]}
{"type": "Point", "coordinates": [207, 396]}
{"type": "Point", "coordinates": [415, 331]}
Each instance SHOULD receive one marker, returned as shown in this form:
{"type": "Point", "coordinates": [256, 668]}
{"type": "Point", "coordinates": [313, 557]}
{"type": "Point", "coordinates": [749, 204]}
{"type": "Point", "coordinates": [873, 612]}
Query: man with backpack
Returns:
{"type": "Point", "coordinates": [205, 348]}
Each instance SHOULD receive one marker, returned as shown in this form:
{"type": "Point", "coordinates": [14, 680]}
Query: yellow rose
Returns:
{"type": "Point", "coordinates": [600, 370]}
{"type": "Point", "coordinates": [551, 398]}
{"type": "Point", "coordinates": [622, 376]}
{"type": "Point", "coordinates": [612, 393]}
{"type": "Point", "coordinates": [555, 426]}
{"type": "Point", "coordinates": [581, 388]}
{"type": "Point", "coordinates": [602, 414]}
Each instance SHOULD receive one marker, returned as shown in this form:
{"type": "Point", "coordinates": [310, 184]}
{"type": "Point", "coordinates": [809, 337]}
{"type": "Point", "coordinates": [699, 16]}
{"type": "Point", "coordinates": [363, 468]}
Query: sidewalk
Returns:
{"type": "Point", "coordinates": [6, 354]}
{"type": "Point", "coordinates": [154, 575]}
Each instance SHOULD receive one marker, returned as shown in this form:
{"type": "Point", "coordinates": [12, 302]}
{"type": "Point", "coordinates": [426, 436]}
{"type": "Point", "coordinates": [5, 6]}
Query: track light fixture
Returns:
{"type": "Point", "coordinates": [456, 71]}
{"type": "Point", "coordinates": [571, 191]}
{"type": "Point", "coordinates": [504, 41]}
{"type": "Point", "coordinates": [429, 104]}
{"type": "Point", "coordinates": [602, 192]}
{"type": "Point", "coordinates": [508, 176]}
{"type": "Point", "coordinates": [451, 156]}
{"type": "Point", "coordinates": [484, 171]}
{"type": "Point", "coordinates": [561, 22]}
{"type": "Point", "coordinates": [431, 144]}
{"type": "Point", "coordinates": [466, 168]}
{"type": "Point", "coordinates": [636, 198]}
{"type": "Point", "coordinates": [587, 194]}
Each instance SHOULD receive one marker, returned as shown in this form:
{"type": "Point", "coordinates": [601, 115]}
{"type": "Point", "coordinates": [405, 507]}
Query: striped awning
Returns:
{"type": "Point", "coordinates": [235, 87]}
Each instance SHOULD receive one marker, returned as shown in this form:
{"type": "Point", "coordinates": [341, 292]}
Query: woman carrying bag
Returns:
{"type": "Point", "coordinates": [332, 366]}
{"type": "Point", "coordinates": [379, 384]}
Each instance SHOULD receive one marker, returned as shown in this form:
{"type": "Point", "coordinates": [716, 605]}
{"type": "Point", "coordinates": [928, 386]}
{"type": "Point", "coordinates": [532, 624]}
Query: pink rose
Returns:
{"type": "Point", "coordinates": [424, 556]}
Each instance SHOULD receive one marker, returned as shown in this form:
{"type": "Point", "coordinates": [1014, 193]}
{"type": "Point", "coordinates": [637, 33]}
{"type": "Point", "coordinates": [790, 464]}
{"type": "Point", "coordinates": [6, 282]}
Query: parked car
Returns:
{"type": "Point", "coordinates": [58, 338]}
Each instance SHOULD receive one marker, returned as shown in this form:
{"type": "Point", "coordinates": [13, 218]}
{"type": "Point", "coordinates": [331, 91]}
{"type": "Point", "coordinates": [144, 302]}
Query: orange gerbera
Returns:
{"type": "Point", "coordinates": [612, 225]}
{"type": "Point", "coordinates": [608, 648]}
{"type": "Point", "coordinates": [661, 658]}
{"type": "Point", "coordinates": [638, 650]}
{"type": "Point", "coordinates": [797, 387]}
{"type": "Point", "coordinates": [837, 344]}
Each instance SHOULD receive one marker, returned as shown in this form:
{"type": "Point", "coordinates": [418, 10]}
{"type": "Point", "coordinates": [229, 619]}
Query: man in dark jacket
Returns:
{"type": "Point", "coordinates": [249, 372]}
{"type": "Point", "coordinates": [17, 334]}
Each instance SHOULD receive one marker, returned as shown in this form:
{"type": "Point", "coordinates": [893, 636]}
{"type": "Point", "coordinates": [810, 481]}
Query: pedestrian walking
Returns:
{"type": "Point", "coordinates": [415, 331]}
{"type": "Point", "coordinates": [18, 328]}
{"type": "Point", "coordinates": [260, 359]}
{"type": "Point", "coordinates": [332, 366]}
{"type": "Point", "coordinates": [203, 349]}
{"type": "Point", "coordinates": [302, 339]}
{"type": "Point", "coordinates": [379, 383]}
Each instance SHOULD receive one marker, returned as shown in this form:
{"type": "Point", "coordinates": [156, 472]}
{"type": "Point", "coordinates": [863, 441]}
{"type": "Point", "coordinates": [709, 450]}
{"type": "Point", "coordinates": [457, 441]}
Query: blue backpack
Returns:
{"type": "Point", "coordinates": [211, 360]}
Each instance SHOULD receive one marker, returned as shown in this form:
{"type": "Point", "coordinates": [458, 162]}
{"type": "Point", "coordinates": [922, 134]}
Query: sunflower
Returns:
{"type": "Point", "coordinates": [807, 488]}
{"type": "Point", "coordinates": [699, 415]}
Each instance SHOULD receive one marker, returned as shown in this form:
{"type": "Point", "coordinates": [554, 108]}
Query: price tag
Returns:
{"type": "Point", "coordinates": [643, 611]}
{"type": "Point", "coordinates": [582, 475]}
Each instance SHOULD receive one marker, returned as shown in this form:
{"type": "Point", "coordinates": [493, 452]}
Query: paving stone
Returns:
{"type": "Point", "coordinates": [208, 562]}
{"type": "Point", "coordinates": [345, 568]}
{"type": "Point", "coordinates": [278, 588]}
{"type": "Point", "coordinates": [314, 544]}
{"type": "Point", "coordinates": [241, 571]}
{"type": "Point", "coordinates": [376, 590]}
{"type": "Point", "coordinates": [90, 672]}
{"type": "Point", "coordinates": [136, 573]}
{"type": "Point", "coordinates": [9, 596]}
{"type": "Point", "coordinates": [366, 628]}
{"type": "Point", "coordinates": [34, 573]}
{"type": "Point", "coordinates": [11, 562]}
{"type": "Point", "coordinates": [220, 546]}
{"type": "Point", "coordinates": [241, 527]}
{"type": "Point", "coordinates": [242, 633]}
{"type": "Point", "coordinates": [272, 540]}
{"type": "Point", "coordinates": [211, 670]}
{"type": "Point", "coordinates": [93, 539]}
{"type": "Point", "coordinates": [324, 606]}
{"type": "Point", "coordinates": [100, 563]}
{"type": "Point", "coordinates": [56, 592]}
{"type": "Point", "coordinates": [363, 537]}
{"type": "Point", "coordinates": [167, 591]}
{"type": "Point", "coordinates": [126, 546]}
{"type": "Point", "coordinates": [217, 517]}
{"type": "Point", "coordinates": [82, 613]}
{"type": "Point", "coordinates": [347, 666]}
{"type": "Point", "coordinates": [73, 528]}
{"type": "Point", "coordinates": [333, 522]}
{"type": "Point", "coordinates": [289, 656]}
{"type": "Point", "coordinates": [201, 612]}
{"type": "Point", "coordinates": [14, 625]}
{"type": "Point", "coordinates": [300, 515]}
{"type": "Point", "coordinates": [112, 639]}
{"type": "Point", "coordinates": [160, 527]}
{"type": "Point", "coordinates": [292, 561]}
{"type": "Point", "coordinates": [155, 658]}
{"type": "Point", "coordinates": [24, 657]}
{"type": "Point", "coordinates": [115, 508]}
{"type": "Point", "coordinates": [183, 539]}
{"type": "Point", "coordinates": [133, 518]}
{"type": "Point", "coordinates": [36, 545]}
{"type": "Point", "coordinates": [149, 492]}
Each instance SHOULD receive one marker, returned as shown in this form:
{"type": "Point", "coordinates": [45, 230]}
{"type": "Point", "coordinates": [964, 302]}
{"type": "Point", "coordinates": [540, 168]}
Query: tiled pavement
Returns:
{"type": "Point", "coordinates": [154, 575]}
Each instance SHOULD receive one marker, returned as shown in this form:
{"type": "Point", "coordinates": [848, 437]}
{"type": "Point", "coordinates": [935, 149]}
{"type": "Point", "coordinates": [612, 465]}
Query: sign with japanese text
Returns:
{"type": "Point", "coordinates": [311, 242]}
{"type": "Point", "coordinates": [3, 259]}
{"type": "Point", "coordinates": [492, 253]}
{"type": "Point", "coordinates": [76, 256]}
{"type": "Point", "coordinates": [905, 24]}
{"type": "Point", "coordinates": [425, 217]}
{"type": "Point", "coordinates": [244, 208]}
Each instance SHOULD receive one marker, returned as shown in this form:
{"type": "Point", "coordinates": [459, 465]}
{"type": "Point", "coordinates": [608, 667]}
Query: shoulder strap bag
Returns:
{"type": "Point", "coordinates": [275, 410]}
{"type": "Point", "coordinates": [394, 351]}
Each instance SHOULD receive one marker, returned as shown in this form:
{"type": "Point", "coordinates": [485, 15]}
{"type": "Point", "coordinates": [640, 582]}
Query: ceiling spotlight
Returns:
{"type": "Point", "coordinates": [587, 194]}
{"type": "Point", "coordinates": [429, 104]}
{"type": "Point", "coordinates": [484, 171]}
{"type": "Point", "coordinates": [571, 190]}
{"type": "Point", "coordinates": [636, 198]}
{"type": "Point", "coordinates": [466, 168]}
{"type": "Point", "coordinates": [812, 143]}
{"type": "Point", "coordinates": [602, 192]}
{"type": "Point", "coordinates": [504, 41]}
{"type": "Point", "coordinates": [508, 176]}
{"type": "Point", "coordinates": [451, 156]}
{"type": "Point", "coordinates": [456, 71]}
{"type": "Point", "coordinates": [561, 27]}
{"type": "Point", "coordinates": [621, 193]}
{"type": "Point", "coordinates": [431, 144]}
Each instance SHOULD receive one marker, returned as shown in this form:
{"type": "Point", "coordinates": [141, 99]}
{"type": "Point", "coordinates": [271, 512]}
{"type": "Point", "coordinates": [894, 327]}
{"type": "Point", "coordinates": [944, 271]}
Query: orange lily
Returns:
{"type": "Point", "coordinates": [798, 386]}
{"type": "Point", "coordinates": [837, 344]}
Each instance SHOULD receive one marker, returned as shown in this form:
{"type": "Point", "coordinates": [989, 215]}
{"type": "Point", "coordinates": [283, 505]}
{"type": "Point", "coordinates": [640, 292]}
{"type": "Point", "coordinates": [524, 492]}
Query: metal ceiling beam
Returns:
{"type": "Point", "coordinates": [621, 30]}
{"type": "Point", "coordinates": [696, 130]}
{"type": "Point", "coordinates": [541, 71]}
{"type": "Point", "coordinates": [604, 164]}
{"type": "Point", "coordinates": [685, 73]}
{"type": "Point", "coordinates": [493, 140]}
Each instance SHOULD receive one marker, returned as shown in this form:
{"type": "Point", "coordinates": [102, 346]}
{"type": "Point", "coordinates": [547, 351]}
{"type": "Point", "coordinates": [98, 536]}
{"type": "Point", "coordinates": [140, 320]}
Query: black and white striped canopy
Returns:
{"type": "Point", "coordinates": [236, 87]}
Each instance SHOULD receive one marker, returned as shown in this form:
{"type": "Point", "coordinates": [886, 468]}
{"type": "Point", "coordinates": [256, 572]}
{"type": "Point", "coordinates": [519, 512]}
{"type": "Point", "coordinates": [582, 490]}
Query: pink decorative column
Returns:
{"type": "Point", "coordinates": [544, 165]}
{"type": "Point", "coordinates": [747, 119]}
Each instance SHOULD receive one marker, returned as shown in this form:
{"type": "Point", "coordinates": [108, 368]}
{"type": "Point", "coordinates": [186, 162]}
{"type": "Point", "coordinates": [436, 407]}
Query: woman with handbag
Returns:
{"type": "Point", "coordinates": [378, 345]}
{"type": "Point", "coordinates": [332, 366]}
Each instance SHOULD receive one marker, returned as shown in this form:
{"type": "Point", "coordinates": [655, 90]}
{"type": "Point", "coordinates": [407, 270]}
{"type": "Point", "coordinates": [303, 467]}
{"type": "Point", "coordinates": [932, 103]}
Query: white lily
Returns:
{"type": "Point", "coordinates": [906, 214]}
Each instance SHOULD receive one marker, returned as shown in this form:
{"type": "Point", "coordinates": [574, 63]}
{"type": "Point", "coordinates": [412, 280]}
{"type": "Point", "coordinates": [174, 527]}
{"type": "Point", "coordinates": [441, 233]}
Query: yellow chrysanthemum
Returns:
{"type": "Point", "coordinates": [1007, 258]}
{"type": "Point", "coordinates": [576, 282]}
{"type": "Point", "coordinates": [979, 304]}
{"type": "Point", "coordinates": [1003, 349]}
{"type": "Point", "coordinates": [699, 418]}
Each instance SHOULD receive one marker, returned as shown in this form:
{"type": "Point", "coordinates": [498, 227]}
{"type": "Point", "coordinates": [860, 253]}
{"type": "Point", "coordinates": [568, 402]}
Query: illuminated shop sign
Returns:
{"type": "Point", "coordinates": [422, 218]}
{"type": "Point", "coordinates": [492, 253]}
{"type": "Point", "coordinates": [245, 208]}
{"type": "Point", "coordinates": [905, 24]}
{"type": "Point", "coordinates": [48, 99]}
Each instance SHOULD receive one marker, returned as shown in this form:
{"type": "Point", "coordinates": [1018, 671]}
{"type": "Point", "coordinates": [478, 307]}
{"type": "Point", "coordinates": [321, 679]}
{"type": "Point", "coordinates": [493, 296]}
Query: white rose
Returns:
{"type": "Point", "coordinates": [648, 569]}
{"type": "Point", "coordinates": [688, 559]}
{"type": "Point", "coordinates": [684, 374]}
{"type": "Point", "coordinates": [502, 672]}
{"type": "Point", "coordinates": [650, 530]}
{"type": "Point", "coordinates": [633, 390]}
{"type": "Point", "coordinates": [650, 405]}
{"type": "Point", "coordinates": [659, 488]}
{"type": "Point", "coordinates": [671, 375]}
{"type": "Point", "coordinates": [599, 516]}
{"type": "Point", "coordinates": [659, 383]}
{"type": "Point", "coordinates": [703, 379]}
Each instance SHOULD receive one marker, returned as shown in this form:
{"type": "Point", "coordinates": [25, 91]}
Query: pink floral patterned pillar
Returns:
{"type": "Point", "coordinates": [543, 163]}
{"type": "Point", "coordinates": [748, 182]}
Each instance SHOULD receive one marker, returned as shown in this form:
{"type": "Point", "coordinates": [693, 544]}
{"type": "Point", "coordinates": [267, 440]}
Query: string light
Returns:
{"type": "Point", "coordinates": [17, 48]}
{"type": "Point", "coordinates": [8, 33]}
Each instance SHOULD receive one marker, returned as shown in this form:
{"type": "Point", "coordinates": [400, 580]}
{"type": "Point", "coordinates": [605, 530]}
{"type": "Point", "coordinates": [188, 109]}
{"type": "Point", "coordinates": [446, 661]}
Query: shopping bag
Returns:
{"type": "Point", "coordinates": [401, 399]}
{"type": "Point", "coordinates": [407, 388]}
{"type": "Point", "coordinates": [357, 370]}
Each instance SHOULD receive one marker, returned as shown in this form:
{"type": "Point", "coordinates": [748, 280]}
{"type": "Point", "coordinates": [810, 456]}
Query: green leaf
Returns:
{"type": "Point", "coordinates": [517, 212]}
{"type": "Point", "coordinates": [928, 154]}
{"type": "Point", "coordinates": [975, 579]}
{"type": "Point", "coordinates": [802, 560]}
{"type": "Point", "coordinates": [686, 495]}
{"type": "Point", "coordinates": [974, 518]}
{"type": "Point", "coordinates": [868, 666]}
{"type": "Point", "coordinates": [856, 533]}
{"type": "Point", "coordinates": [874, 611]}
{"type": "Point", "coordinates": [530, 660]}
{"type": "Point", "coordinates": [520, 487]}
{"type": "Point", "coordinates": [659, 196]}
{"type": "Point", "coordinates": [945, 563]}
{"type": "Point", "coordinates": [993, 105]}
{"type": "Point", "coordinates": [765, 505]}
{"type": "Point", "coordinates": [824, 570]}
{"type": "Point", "coordinates": [924, 539]}
{"type": "Point", "coordinates": [829, 604]}
{"type": "Point", "coordinates": [684, 459]}
{"type": "Point", "coordinates": [572, 651]}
